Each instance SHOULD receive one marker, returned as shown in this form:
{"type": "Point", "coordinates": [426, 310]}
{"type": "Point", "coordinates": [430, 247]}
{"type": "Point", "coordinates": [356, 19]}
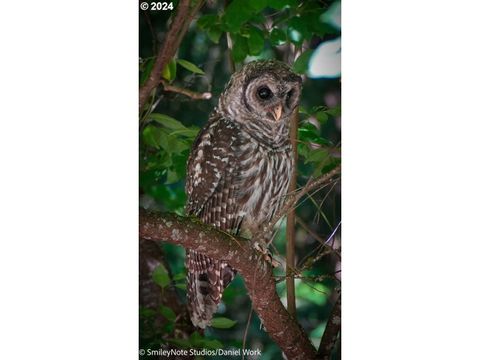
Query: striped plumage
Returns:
{"type": "Point", "coordinates": [239, 170]}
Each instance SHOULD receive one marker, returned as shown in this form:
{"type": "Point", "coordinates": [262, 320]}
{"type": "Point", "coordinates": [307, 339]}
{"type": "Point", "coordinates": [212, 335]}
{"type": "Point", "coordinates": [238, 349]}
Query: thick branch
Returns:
{"type": "Point", "coordinates": [193, 234]}
{"type": "Point", "coordinates": [331, 332]}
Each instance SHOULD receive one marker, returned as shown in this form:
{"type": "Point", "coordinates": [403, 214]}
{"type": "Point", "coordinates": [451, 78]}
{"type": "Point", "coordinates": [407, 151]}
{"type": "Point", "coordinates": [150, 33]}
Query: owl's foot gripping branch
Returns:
{"type": "Point", "coordinates": [194, 235]}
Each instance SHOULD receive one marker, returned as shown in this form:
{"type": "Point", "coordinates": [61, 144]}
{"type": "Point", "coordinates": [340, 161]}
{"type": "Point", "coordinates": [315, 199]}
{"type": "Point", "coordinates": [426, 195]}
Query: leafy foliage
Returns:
{"type": "Point", "coordinates": [222, 323]}
{"type": "Point", "coordinates": [160, 276]}
{"type": "Point", "coordinates": [189, 66]}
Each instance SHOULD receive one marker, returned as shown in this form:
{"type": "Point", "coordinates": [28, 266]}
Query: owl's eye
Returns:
{"type": "Point", "coordinates": [290, 94]}
{"type": "Point", "coordinates": [264, 93]}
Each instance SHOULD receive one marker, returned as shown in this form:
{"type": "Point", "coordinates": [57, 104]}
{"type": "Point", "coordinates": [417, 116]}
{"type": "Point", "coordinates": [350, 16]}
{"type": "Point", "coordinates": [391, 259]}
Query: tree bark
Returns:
{"type": "Point", "coordinates": [257, 273]}
{"type": "Point", "coordinates": [331, 332]}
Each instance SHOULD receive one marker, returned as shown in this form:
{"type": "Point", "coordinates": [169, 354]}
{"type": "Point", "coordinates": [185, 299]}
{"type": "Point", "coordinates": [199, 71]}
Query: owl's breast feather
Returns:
{"type": "Point", "coordinates": [263, 180]}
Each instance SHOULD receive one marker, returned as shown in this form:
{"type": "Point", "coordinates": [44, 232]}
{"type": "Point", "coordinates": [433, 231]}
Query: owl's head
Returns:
{"type": "Point", "coordinates": [262, 91]}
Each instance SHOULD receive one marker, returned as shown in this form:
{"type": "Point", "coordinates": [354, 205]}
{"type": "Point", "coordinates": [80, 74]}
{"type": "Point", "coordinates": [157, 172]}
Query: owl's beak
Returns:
{"type": "Point", "coordinates": [277, 112]}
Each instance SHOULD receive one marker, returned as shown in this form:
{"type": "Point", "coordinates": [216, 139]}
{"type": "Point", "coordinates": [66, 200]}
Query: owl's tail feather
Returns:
{"type": "Point", "coordinates": [206, 280]}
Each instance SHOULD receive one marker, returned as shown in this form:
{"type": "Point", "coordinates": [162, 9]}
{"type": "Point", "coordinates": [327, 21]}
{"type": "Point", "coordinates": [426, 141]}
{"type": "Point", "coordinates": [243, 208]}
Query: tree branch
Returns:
{"type": "Point", "coordinates": [191, 94]}
{"type": "Point", "coordinates": [257, 273]}
{"type": "Point", "coordinates": [331, 332]}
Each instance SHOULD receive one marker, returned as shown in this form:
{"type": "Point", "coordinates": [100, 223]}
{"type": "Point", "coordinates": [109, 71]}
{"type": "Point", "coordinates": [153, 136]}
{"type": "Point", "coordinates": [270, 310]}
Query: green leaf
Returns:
{"type": "Point", "coordinates": [297, 30]}
{"type": "Point", "coordinates": [301, 64]}
{"type": "Point", "coordinates": [179, 276]}
{"type": "Point", "coordinates": [255, 41]}
{"type": "Point", "coordinates": [308, 133]}
{"type": "Point", "coordinates": [302, 110]}
{"type": "Point", "coordinates": [196, 338]}
{"type": "Point", "coordinates": [172, 177]}
{"type": "Point", "coordinates": [146, 312]}
{"type": "Point", "coordinates": [167, 313]}
{"type": "Point", "coordinates": [236, 14]}
{"type": "Point", "coordinates": [214, 33]}
{"type": "Point", "coordinates": [303, 151]}
{"type": "Point", "coordinates": [167, 121]}
{"type": "Point", "coordinates": [175, 145]}
{"type": "Point", "coordinates": [321, 116]}
{"type": "Point", "coordinates": [167, 328]}
{"type": "Point", "coordinates": [181, 286]}
{"type": "Point", "coordinates": [335, 111]}
{"type": "Point", "coordinates": [314, 22]}
{"type": "Point", "coordinates": [190, 132]}
{"type": "Point", "coordinates": [240, 48]}
{"type": "Point", "coordinates": [207, 21]}
{"type": "Point", "coordinates": [170, 71]}
{"type": "Point", "coordinates": [257, 5]}
{"type": "Point", "coordinates": [198, 341]}
{"type": "Point", "coordinates": [212, 25]}
{"type": "Point", "coordinates": [189, 66]}
{"type": "Point", "coordinates": [149, 138]}
{"type": "Point", "coordinates": [154, 137]}
{"type": "Point", "coordinates": [317, 156]}
{"type": "Point", "coordinates": [278, 37]}
{"type": "Point", "coordinates": [160, 276]}
{"type": "Point", "coordinates": [331, 165]}
{"type": "Point", "coordinates": [222, 323]}
{"type": "Point", "coordinates": [166, 73]}
{"type": "Point", "coordinates": [212, 344]}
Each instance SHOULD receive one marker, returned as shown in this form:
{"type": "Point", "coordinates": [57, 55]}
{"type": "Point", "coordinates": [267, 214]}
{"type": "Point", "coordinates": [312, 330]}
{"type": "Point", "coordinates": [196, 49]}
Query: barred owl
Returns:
{"type": "Point", "coordinates": [239, 170]}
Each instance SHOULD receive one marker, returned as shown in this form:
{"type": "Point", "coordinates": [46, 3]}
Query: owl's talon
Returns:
{"type": "Point", "coordinates": [266, 254]}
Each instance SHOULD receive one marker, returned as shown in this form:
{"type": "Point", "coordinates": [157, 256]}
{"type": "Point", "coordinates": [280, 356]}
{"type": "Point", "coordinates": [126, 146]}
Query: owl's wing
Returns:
{"type": "Point", "coordinates": [210, 191]}
{"type": "Point", "coordinates": [212, 167]}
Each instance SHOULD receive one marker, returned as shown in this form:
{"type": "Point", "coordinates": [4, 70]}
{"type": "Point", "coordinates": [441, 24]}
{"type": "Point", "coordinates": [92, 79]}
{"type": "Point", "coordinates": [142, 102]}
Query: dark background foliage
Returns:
{"type": "Point", "coordinates": [259, 29]}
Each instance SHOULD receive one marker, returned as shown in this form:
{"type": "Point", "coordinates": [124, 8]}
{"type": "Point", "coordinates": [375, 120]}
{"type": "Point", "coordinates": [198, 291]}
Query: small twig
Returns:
{"type": "Point", "coordinates": [314, 279]}
{"type": "Point", "coordinates": [231, 62]}
{"type": "Point", "coordinates": [309, 260]}
{"type": "Point", "coordinates": [310, 231]}
{"type": "Point", "coordinates": [309, 196]}
{"type": "Point", "coordinates": [246, 332]}
{"type": "Point", "coordinates": [294, 198]}
{"type": "Point", "coordinates": [191, 94]}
